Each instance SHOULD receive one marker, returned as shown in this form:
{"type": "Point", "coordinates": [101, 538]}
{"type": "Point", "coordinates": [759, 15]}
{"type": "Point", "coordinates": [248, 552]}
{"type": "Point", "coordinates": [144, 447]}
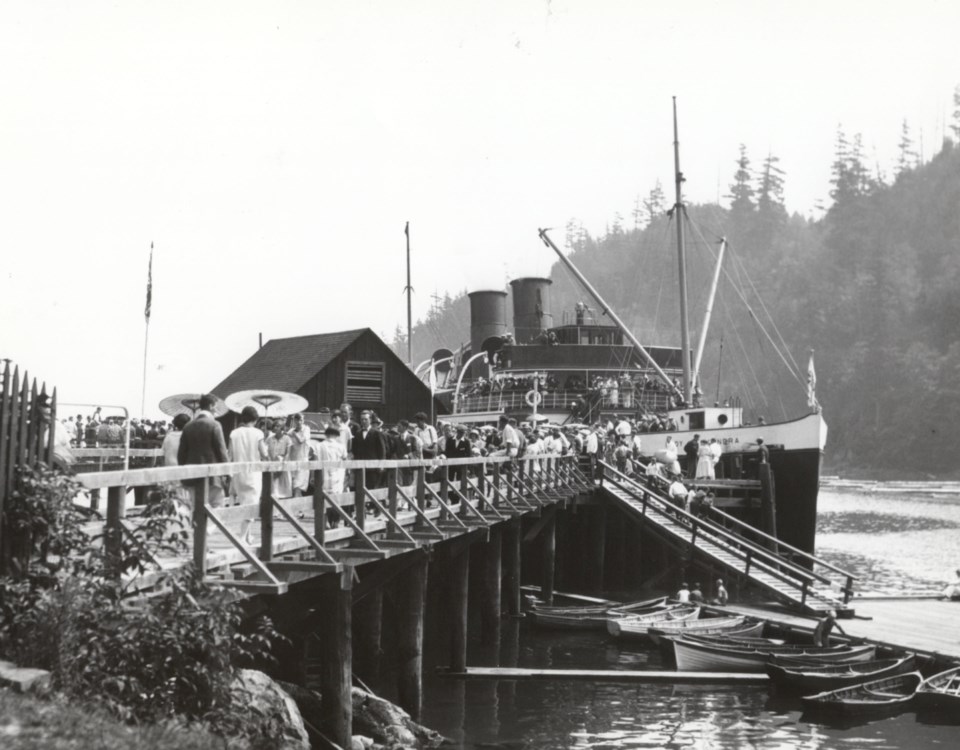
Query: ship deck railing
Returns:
{"type": "Point", "coordinates": [500, 401]}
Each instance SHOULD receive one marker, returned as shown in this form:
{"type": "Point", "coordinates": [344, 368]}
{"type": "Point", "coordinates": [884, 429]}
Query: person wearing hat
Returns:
{"type": "Point", "coordinates": [247, 446]}
{"type": "Point", "coordinates": [203, 443]}
{"type": "Point", "coordinates": [299, 451]}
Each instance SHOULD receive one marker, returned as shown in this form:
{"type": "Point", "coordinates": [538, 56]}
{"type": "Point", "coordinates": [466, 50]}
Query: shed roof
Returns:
{"type": "Point", "coordinates": [287, 364]}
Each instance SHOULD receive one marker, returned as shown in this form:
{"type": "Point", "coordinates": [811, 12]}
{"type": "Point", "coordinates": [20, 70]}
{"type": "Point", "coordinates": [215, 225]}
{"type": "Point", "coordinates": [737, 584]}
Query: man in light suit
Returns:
{"type": "Point", "coordinates": [202, 442]}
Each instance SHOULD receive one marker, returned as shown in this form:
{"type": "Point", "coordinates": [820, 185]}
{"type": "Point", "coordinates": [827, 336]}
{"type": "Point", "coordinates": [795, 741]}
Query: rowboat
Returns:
{"type": "Point", "coordinates": [699, 656]}
{"type": "Point", "coordinates": [876, 696]}
{"type": "Point", "coordinates": [942, 691]}
{"type": "Point", "coordinates": [638, 625]}
{"type": "Point", "coordinates": [824, 677]}
{"type": "Point", "coordinates": [707, 626]}
{"type": "Point", "coordinates": [591, 617]}
{"type": "Point", "coordinates": [749, 630]}
{"type": "Point", "coordinates": [792, 661]}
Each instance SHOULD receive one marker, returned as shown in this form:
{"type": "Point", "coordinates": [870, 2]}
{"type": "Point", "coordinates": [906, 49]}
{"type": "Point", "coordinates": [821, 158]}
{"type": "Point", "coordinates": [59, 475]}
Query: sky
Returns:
{"type": "Point", "coordinates": [272, 152]}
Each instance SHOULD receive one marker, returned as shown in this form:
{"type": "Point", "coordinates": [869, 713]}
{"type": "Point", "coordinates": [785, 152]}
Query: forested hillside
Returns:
{"type": "Point", "coordinates": [873, 286]}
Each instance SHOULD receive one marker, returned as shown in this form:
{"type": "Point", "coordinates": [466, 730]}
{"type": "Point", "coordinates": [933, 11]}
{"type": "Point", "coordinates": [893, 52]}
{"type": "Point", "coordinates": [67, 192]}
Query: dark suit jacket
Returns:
{"type": "Point", "coordinates": [369, 448]}
{"type": "Point", "coordinates": [202, 443]}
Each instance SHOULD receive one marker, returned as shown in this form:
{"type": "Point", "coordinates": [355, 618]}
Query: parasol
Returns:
{"type": "Point", "coordinates": [189, 404]}
{"type": "Point", "coordinates": [267, 403]}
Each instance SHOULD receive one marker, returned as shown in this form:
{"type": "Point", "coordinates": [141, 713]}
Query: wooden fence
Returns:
{"type": "Point", "coordinates": [26, 438]}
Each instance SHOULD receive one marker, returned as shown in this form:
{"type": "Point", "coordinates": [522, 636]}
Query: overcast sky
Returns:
{"type": "Point", "coordinates": [272, 152]}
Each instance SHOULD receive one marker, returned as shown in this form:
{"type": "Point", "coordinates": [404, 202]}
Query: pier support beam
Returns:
{"type": "Point", "coordinates": [598, 547]}
{"type": "Point", "coordinates": [336, 676]}
{"type": "Point", "coordinates": [490, 589]}
{"type": "Point", "coordinates": [768, 502]}
{"type": "Point", "coordinates": [368, 628]}
{"type": "Point", "coordinates": [549, 552]}
{"type": "Point", "coordinates": [411, 596]}
{"type": "Point", "coordinates": [457, 596]}
{"type": "Point", "coordinates": [511, 537]}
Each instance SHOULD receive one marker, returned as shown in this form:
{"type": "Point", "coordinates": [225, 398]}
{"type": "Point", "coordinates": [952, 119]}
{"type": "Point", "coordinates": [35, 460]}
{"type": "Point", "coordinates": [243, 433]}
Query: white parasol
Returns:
{"type": "Point", "coordinates": [189, 404]}
{"type": "Point", "coordinates": [267, 403]}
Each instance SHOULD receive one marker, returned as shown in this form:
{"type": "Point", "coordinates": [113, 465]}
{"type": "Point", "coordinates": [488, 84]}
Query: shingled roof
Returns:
{"type": "Point", "coordinates": [286, 364]}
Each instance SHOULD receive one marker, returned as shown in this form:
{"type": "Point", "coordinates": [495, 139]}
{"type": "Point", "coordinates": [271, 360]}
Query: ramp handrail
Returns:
{"type": "Point", "coordinates": [848, 590]}
{"type": "Point", "coordinates": [744, 548]}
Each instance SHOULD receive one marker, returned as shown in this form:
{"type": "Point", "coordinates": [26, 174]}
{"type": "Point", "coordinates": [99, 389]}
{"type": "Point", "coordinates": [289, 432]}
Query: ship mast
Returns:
{"type": "Point", "coordinates": [681, 258]}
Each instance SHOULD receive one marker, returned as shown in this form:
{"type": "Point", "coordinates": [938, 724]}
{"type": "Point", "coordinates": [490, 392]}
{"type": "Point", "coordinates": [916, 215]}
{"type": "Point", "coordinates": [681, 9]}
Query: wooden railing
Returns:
{"type": "Point", "coordinates": [464, 494]}
{"type": "Point", "coordinates": [752, 555]}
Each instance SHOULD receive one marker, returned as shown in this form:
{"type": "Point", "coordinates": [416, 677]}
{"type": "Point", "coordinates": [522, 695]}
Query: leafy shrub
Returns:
{"type": "Point", "coordinates": [172, 652]}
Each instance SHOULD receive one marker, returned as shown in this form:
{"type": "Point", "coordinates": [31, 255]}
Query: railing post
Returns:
{"type": "Point", "coordinates": [266, 517]}
{"type": "Point", "coordinates": [693, 537]}
{"type": "Point", "coordinates": [746, 570]}
{"type": "Point", "coordinates": [848, 590]}
{"type": "Point", "coordinates": [392, 496]}
{"type": "Point", "coordinates": [803, 592]}
{"type": "Point", "coordinates": [444, 489]}
{"type": "Point", "coordinates": [199, 525]}
{"type": "Point", "coordinates": [522, 474]}
{"type": "Point", "coordinates": [319, 507]}
{"type": "Point", "coordinates": [464, 483]}
{"type": "Point", "coordinates": [496, 485]}
{"type": "Point", "coordinates": [482, 484]}
{"type": "Point", "coordinates": [360, 497]}
{"type": "Point", "coordinates": [113, 533]}
{"type": "Point", "coordinates": [421, 489]}
{"type": "Point", "coordinates": [511, 468]}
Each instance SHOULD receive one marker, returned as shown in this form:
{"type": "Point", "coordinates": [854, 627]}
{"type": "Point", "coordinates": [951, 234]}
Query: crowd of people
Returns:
{"type": "Point", "coordinates": [98, 430]}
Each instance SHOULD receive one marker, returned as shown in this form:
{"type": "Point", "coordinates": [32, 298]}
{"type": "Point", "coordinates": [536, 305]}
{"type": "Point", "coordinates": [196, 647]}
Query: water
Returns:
{"type": "Point", "coordinates": [896, 543]}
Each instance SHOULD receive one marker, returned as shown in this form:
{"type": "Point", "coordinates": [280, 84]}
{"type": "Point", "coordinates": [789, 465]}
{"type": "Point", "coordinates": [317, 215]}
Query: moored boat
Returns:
{"type": "Point", "coordinates": [876, 696]}
{"type": "Point", "coordinates": [941, 692]}
{"type": "Point", "coordinates": [590, 617]}
{"type": "Point", "coordinates": [698, 656]}
{"type": "Point", "coordinates": [822, 677]}
{"type": "Point", "coordinates": [637, 625]}
{"type": "Point", "coordinates": [707, 626]}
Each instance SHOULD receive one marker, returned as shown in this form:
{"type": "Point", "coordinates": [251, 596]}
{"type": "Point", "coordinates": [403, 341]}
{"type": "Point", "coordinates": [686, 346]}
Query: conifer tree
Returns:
{"type": "Point", "coordinates": [955, 125]}
{"type": "Point", "coordinates": [908, 156]}
{"type": "Point", "coordinates": [655, 203]}
{"type": "Point", "coordinates": [741, 191]}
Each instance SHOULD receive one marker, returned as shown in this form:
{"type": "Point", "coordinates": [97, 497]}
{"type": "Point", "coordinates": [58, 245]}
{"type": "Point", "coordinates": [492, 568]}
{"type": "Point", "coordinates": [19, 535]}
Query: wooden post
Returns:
{"type": "Point", "coordinates": [444, 489]}
{"type": "Point", "coordinates": [482, 486]}
{"type": "Point", "coordinates": [319, 507]}
{"type": "Point", "coordinates": [458, 595]}
{"type": "Point", "coordinates": [368, 632]}
{"type": "Point", "coordinates": [392, 497]}
{"type": "Point", "coordinates": [496, 484]}
{"type": "Point", "coordinates": [421, 490]}
{"type": "Point", "coordinates": [598, 548]}
{"type": "Point", "coordinates": [768, 503]}
{"type": "Point", "coordinates": [512, 535]}
{"type": "Point", "coordinates": [490, 589]}
{"type": "Point", "coordinates": [412, 589]}
{"type": "Point", "coordinates": [112, 533]}
{"type": "Point", "coordinates": [336, 675]}
{"type": "Point", "coordinates": [359, 497]}
{"type": "Point", "coordinates": [266, 517]}
{"type": "Point", "coordinates": [549, 551]}
{"type": "Point", "coordinates": [199, 525]}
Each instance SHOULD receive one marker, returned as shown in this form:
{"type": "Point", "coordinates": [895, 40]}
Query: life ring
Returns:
{"type": "Point", "coordinates": [533, 398]}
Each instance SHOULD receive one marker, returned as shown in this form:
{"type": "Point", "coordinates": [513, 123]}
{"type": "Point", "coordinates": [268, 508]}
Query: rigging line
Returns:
{"type": "Point", "coordinates": [763, 305]}
{"type": "Point", "coordinates": [769, 317]}
{"type": "Point", "coordinates": [748, 393]}
{"type": "Point", "coordinates": [656, 313]}
{"type": "Point", "coordinates": [746, 357]}
{"type": "Point", "coordinates": [756, 320]}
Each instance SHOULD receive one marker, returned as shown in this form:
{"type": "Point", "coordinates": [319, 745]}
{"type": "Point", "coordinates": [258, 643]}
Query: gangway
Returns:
{"type": "Point", "coordinates": [792, 585]}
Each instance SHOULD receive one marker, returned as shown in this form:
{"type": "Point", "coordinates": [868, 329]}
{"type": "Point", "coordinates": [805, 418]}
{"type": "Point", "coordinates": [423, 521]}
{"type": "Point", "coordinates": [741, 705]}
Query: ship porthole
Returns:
{"type": "Point", "coordinates": [722, 419]}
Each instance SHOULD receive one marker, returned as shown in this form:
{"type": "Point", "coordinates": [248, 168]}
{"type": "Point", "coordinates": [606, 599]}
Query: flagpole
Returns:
{"type": "Point", "coordinates": [146, 333]}
{"type": "Point", "coordinates": [409, 291]}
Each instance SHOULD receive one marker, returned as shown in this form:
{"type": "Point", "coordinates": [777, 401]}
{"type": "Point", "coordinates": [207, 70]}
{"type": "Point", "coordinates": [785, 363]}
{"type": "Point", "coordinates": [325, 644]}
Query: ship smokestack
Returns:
{"type": "Point", "coordinates": [488, 317]}
{"type": "Point", "coordinates": [531, 308]}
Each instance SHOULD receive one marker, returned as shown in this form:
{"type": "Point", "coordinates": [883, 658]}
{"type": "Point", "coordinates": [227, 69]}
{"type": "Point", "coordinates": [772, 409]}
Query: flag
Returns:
{"type": "Point", "coordinates": [146, 310]}
{"type": "Point", "coordinates": [812, 385]}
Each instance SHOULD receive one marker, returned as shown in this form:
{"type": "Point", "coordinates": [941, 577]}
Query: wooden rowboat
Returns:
{"type": "Point", "coordinates": [751, 629]}
{"type": "Point", "coordinates": [823, 677]}
{"type": "Point", "coordinates": [698, 656]}
{"type": "Point", "coordinates": [590, 617]}
{"type": "Point", "coordinates": [637, 626]}
{"type": "Point", "coordinates": [876, 696]}
{"type": "Point", "coordinates": [941, 692]}
{"type": "Point", "coordinates": [706, 626]}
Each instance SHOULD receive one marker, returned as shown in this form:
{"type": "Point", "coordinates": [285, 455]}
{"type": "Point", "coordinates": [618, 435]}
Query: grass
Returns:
{"type": "Point", "coordinates": [54, 724]}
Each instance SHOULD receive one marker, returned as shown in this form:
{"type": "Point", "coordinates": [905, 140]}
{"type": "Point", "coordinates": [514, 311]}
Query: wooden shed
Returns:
{"type": "Point", "coordinates": [328, 369]}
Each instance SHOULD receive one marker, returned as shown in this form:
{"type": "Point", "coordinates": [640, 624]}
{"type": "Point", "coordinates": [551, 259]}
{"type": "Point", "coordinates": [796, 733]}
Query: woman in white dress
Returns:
{"type": "Point", "coordinates": [705, 461]}
{"type": "Point", "coordinates": [246, 444]}
{"type": "Point", "coordinates": [278, 448]}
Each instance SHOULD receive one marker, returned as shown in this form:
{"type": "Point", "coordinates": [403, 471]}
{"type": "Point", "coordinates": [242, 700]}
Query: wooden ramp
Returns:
{"type": "Point", "coordinates": [610, 675]}
{"type": "Point", "coordinates": [796, 587]}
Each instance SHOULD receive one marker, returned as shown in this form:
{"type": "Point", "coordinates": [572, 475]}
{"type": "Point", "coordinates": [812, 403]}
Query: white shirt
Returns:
{"type": "Point", "coordinates": [593, 443]}
{"type": "Point", "coordinates": [623, 427]}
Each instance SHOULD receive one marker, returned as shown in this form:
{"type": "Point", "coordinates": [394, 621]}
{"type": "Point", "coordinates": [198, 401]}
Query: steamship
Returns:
{"type": "Point", "coordinates": [581, 370]}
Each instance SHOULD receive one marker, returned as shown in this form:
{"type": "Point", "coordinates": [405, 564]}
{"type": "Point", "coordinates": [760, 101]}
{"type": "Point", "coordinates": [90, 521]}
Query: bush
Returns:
{"type": "Point", "coordinates": [169, 653]}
